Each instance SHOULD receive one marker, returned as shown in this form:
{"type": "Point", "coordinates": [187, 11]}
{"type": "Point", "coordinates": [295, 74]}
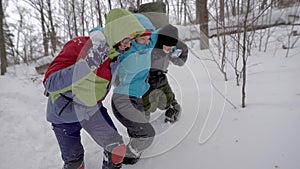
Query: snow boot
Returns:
{"type": "Point", "coordinates": [173, 113]}
{"type": "Point", "coordinates": [113, 156]}
{"type": "Point", "coordinates": [132, 156]}
{"type": "Point", "coordinates": [74, 165]}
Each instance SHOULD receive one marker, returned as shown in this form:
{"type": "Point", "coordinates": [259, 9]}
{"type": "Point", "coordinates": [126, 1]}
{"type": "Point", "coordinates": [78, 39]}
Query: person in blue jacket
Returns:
{"type": "Point", "coordinates": [131, 85]}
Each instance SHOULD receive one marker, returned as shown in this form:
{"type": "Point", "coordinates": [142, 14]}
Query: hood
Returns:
{"type": "Point", "coordinates": [144, 21]}
{"type": "Point", "coordinates": [119, 24]}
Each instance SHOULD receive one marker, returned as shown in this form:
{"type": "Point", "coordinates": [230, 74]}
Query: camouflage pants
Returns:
{"type": "Point", "coordinates": [160, 98]}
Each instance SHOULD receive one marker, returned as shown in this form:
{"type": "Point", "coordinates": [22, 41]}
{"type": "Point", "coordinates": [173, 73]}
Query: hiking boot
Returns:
{"type": "Point", "coordinates": [74, 165]}
{"type": "Point", "coordinates": [132, 156]}
{"type": "Point", "coordinates": [173, 113]}
{"type": "Point", "coordinates": [113, 156]}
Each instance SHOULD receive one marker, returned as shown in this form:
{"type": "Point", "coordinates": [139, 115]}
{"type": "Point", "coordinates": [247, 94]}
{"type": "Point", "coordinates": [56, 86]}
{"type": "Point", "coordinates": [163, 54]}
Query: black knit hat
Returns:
{"type": "Point", "coordinates": [167, 35]}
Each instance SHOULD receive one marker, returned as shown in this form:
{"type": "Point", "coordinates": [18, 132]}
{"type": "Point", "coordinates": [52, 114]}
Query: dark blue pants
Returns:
{"type": "Point", "coordinates": [100, 127]}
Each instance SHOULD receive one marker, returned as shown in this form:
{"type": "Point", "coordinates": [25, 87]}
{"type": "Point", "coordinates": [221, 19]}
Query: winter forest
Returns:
{"type": "Point", "coordinates": [32, 30]}
{"type": "Point", "coordinates": [240, 83]}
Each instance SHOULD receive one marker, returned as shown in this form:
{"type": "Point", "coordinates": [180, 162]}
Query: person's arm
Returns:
{"type": "Point", "coordinates": [181, 58]}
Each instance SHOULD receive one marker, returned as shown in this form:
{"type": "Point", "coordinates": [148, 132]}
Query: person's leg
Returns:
{"type": "Point", "coordinates": [129, 111]}
{"type": "Point", "coordinates": [102, 130]}
{"type": "Point", "coordinates": [173, 107]}
{"type": "Point", "coordinates": [69, 140]}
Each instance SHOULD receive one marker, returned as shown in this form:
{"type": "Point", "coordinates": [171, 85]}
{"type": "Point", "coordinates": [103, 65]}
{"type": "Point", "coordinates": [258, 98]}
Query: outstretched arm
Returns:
{"type": "Point", "coordinates": [182, 58]}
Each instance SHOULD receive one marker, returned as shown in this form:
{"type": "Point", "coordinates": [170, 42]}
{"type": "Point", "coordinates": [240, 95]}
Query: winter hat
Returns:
{"type": "Point", "coordinates": [146, 33]}
{"type": "Point", "coordinates": [120, 24]}
{"type": "Point", "coordinates": [167, 35]}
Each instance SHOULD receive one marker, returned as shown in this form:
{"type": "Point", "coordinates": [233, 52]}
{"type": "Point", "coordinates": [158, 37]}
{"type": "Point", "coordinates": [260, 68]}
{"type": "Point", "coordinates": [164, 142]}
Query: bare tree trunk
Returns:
{"type": "Point", "coordinates": [177, 14]}
{"type": "Point", "coordinates": [39, 6]}
{"type": "Point", "coordinates": [222, 12]}
{"type": "Point", "coordinates": [138, 3]}
{"type": "Point", "coordinates": [67, 11]}
{"type": "Point", "coordinates": [180, 11]}
{"type": "Point", "coordinates": [82, 16]}
{"type": "Point", "coordinates": [43, 22]}
{"type": "Point", "coordinates": [53, 32]}
{"type": "Point", "coordinates": [74, 17]}
{"type": "Point", "coordinates": [202, 16]}
{"type": "Point", "coordinates": [233, 7]}
{"type": "Point", "coordinates": [109, 4]}
{"type": "Point", "coordinates": [121, 4]}
{"type": "Point", "coordinates": [185, 12]}
{"type": "Point", "coordinates": [244, 55]}
{"type": "Point", "coordinates": [222, 19]}
{"type": "Point", "coordinates": [241, 7]}
{"type": "Point", "coordinates": [237, 73]}
{"type": "Point", "coordinates": [263, 4]}
{"type": "Point", "coordinates": [20, 27]}
{"type": "Point", "coordinates": [2, 42]}
{"type": "Point", "coordinates": [98, 8]}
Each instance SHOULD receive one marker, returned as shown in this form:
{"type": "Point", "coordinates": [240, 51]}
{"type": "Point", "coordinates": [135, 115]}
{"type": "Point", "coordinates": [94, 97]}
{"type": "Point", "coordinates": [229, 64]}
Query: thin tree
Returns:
{"type": "Point", "coordinates": [98, 9]}
{"type": "Point", "coordinates": [121, 4]}
{"type": "Point", "coordinates": [245, 26]}
{"type": "Point", "coordinates": [223, 57]}
{"type": "Point", "coordinates": [138, 3]}
{"type": "Point", "coordinates": [39, 6]}
{"type": "Point", "coordinates": [82, 16]}
{"type": "Point", "coordinates": [74, 17]}
{"type": "Point", "coordinates": [19, 27]}
{"type": "Point", "coordinates": [53, 39]}
{"type": "Point", "coordinates": [109, 4]}
{"type": "Point", "coordinates": [185, 11]}
{"type": "Point", "coordinates": [2, 42]}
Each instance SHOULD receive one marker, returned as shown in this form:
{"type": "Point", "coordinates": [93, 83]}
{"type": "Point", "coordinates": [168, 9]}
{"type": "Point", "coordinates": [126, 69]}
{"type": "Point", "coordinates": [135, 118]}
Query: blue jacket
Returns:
{"type": "Point", "coordinates": [133, 71]}
{"type": "Point", "coordinates": [134, 66]}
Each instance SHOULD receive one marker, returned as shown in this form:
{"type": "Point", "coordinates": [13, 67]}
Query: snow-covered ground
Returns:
{"type": "Point", "coordinates": [210, 135]}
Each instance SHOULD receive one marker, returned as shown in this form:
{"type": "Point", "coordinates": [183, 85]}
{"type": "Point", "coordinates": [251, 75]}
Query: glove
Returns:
{"type": "Point", "coordinates": [173, 113]}
{"type": "Point", "coordinates": [99, 51]}
{"type": "Point", "coordinates": [97, 56]}
{"type": "Point", "coordinates": [176, 53]}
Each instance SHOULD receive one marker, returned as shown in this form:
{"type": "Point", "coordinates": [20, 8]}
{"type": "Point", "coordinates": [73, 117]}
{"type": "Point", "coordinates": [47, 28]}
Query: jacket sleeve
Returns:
{"type": "Point", "coordinates": [79, 82]}
{"type": "Point", "coordinates": [67, 76]}
{"type": "Point", "coordinates": [180, 61]}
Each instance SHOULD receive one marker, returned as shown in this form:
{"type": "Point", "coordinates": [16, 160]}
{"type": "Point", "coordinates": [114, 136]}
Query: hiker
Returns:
{"type": "Point", "coordinates": [77, 82]}
{"type": "Point", "coordinates": [160, 95]}
{"type": "Point", "coordinates": [127, 104]}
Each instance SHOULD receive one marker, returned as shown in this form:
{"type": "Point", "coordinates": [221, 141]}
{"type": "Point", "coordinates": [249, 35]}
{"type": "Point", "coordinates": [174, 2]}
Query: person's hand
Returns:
{"type": "Point", "coordinates": [176, 53]}
{"type": "Point", "coordinates": [97, 56]}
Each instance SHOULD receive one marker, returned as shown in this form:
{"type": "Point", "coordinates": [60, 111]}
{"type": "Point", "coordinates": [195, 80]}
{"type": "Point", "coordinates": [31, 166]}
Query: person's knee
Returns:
{"type": "Point", "coordinates": [144, 130]}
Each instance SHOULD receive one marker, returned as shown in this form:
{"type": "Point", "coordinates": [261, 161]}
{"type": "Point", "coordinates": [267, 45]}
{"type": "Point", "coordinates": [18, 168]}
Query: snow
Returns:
{"type": "Point", "coordinates": [211, 134]}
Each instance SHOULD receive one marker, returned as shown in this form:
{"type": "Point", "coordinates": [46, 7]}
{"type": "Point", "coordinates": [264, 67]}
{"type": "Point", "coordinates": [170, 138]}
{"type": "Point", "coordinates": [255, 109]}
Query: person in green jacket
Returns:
{"type": "Point", "coordinates": [76, 83]}
{"type": "Point", "coordinates": [168, 49]}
